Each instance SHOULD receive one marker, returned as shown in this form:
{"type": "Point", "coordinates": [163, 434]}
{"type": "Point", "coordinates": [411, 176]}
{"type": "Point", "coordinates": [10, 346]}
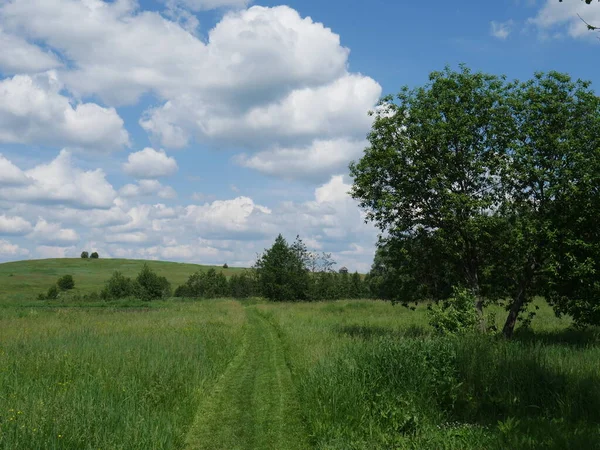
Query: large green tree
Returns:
{"type": "Point", "coordinates": [281, 272]}
{"type": "Point", "coordinates": [432, 170]}
{"type": "Point", "coordinates": [480, 182]}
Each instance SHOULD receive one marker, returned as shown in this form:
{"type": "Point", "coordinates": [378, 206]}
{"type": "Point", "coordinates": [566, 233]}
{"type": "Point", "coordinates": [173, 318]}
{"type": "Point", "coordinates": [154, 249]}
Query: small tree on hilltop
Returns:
{"type": "Point", "coordinates": [94, 255]}
{"type": "Point", "coordinates": [85, 255]}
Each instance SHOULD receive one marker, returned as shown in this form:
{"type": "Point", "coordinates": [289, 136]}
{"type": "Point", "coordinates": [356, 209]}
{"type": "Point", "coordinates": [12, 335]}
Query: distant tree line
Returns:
{"type": "Point", "coordinates": [283, 272]}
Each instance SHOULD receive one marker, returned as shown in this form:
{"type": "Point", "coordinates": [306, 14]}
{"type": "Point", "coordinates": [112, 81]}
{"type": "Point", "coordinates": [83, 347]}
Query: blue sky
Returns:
{"type": "Point", "coordinates": [196, 130]}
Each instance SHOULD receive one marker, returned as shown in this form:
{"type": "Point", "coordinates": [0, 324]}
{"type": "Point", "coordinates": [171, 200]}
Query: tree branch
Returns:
{"type": "Point", "coordinates": [589, 27]}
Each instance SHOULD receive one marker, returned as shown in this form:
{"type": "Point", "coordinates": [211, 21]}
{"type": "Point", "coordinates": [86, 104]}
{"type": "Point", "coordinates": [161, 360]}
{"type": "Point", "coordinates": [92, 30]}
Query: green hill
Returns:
{"type": "Point", "coordinates": [24, 280]}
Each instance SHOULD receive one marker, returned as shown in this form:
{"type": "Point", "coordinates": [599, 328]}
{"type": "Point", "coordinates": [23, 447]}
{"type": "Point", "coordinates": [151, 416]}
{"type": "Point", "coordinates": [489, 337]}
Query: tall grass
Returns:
{"type": "Point", "coordinates": [110, 379]}
{"type": "Point", "coordinates": [373, 376]}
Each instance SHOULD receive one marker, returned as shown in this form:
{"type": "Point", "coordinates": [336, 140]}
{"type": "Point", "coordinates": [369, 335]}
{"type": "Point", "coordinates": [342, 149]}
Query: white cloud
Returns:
{"type": "Point", "coordinates": [52, 233]}
{"type": "Point", "coordinates": [149, 163]}
{"type": "Point", "coordinates": [315, 161]}
{"type": "Point", "coordinates": [9, 249]}
{"type": "Point", "coordinates": [53, 251]}
{"type": "Point", "coordinates": [11, 175]}
{"type": "Point", "coordinates": [335, 110]}
{"type": "Point", "coordinates": [19, 56]}
{"type": "Point", "coordinates": [247, 52]}
{"type": "Point", "coordinates": [32, 110]}
{"type": "Point", "coordinates": [226, 215]}
{"type": "Point", "coordinates": [554, 17]}
{"type": "Point", "coordinates": [61, 183]}
{"type": "Point", "coordinates": [127, 238]}
{"type": "Point", "coordinates": [200, 5]}
{"type": "Point", "coordinates": [14, 225]}
{"type": "Point", "coordinates": [501, 30]}
{"type": "Point", "coordinates": [265, 78]}
{"type": "Point", "coordinates": [147, 188]}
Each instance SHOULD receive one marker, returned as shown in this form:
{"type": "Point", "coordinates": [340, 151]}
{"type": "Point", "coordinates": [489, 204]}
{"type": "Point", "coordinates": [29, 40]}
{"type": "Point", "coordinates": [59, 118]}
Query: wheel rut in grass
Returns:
{"type": "Point", "coordinates": [254, 404]}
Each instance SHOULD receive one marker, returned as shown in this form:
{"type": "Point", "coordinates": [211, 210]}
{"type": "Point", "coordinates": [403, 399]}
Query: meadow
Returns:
{"type": "Point", "coordinates": [229, 374]}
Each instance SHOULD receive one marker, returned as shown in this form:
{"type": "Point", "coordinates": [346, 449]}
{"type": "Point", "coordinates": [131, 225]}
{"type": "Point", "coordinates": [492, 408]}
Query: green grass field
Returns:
{"type": "Point", "coordinates": [227, 374]}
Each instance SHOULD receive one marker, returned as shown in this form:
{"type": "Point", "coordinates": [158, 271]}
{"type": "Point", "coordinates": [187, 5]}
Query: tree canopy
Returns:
{"type": "Point", "coordinates": [479, 182]}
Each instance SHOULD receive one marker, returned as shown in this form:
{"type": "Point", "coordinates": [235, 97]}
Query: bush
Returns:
{"type": "Point", "coordinates": [152, 286]}
{"type": "Point", "coordinates": [119, 286]}
{"type": "Point", "coordinates": [242, 286]}
{"type": "Point", "coordinates": [209, 284]}
{"type": "Point", "coordinates": [457, 315]}
{"type": "Point", "coordinates": [52, 293]}
{"type": "Point", "coordinates": [94, 255]}
{"type": "Point", "coordinates": [225, 266]}
{"type": "Point", "coordinates": [85, 255]}
{"type": "Point", "coordinates": [66, 282]}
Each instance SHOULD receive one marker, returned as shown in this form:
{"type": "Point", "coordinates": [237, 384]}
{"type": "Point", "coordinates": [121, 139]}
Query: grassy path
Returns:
{"type": "Point", "coordinates": [253, 406]}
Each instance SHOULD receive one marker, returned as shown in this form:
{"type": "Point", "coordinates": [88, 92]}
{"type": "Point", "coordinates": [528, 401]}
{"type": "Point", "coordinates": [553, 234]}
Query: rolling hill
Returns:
{"type": "Point", "coordinates": [24, 280]}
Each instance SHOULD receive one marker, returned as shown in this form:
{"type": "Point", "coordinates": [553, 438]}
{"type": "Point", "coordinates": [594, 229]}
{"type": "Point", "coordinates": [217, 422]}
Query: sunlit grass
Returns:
{"type": "Point", "coordinates": [110, 379]}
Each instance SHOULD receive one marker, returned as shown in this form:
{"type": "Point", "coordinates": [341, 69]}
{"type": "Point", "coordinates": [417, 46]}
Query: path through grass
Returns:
{"type": "Point", "coordinates": [254, 405]}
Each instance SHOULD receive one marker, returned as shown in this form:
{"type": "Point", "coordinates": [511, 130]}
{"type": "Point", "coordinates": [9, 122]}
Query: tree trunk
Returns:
{"type": "Point", "coordinates": [513, 314]}
{"type": "Point", "coordinates": [479, 308]}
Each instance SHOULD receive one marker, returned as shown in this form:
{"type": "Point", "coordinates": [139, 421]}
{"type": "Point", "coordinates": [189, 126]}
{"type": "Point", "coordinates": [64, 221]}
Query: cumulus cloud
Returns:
{"type": "Point", "coordinates": [52, 233]}
{"type": "Point", "coordinates": [54, 251]}
{"type": "Point", "coordinates": [335, 110]}
{"type": "Point", "coordinates": [14, 225]}
{"type": "Point", "coordinates": [19, 56]}
{"type": "Point", "coordinates": [315, 161]}
{"type": "Point", "coordinates": [150, 163]}
{"type": "Point", "coordinates": [264, 78]}
{"type": "Point", "coordinates": [556, 17]}
{"type": "Point", "coordinates": [200, 5]}
{"type": "Point", "coordinates": [32, 110]}
{"type": "Point", "coordinates": [146, 188]}
{"type": "Point", "coordinates": [11, 175]}
{"type": "Point", "coordinates": [8, 249]}
{"type": "Point", "coordinates": [501, 30]}
{"type": "Point", "coordinates": [137, 52]}
{"type": "Point", "coordinates": [61, 183]}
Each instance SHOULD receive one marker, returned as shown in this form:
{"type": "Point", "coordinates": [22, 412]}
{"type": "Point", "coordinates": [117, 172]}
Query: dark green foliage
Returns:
{"type": "Point", "coordinates": [208, 284]}
{"type": "Point", "coordinates": [225, 266]}
{"type": "Point", "coordinates": [470, 392]}
{"type": "Point", "coordinates": [118, 287]}
{"type": "Point", "coordinates": [456, 315]}
{"type": "Point", "coordinates": [85, 255]}
{"type": "Point", "coordinates": [66, 282]}
{"type": "Point", "coordinates": [281, 273]}
{"type": "Point", "coordinates": [52, 293]}
{"type": "Point", "coordinates": [94, 255]}
{"type": "Point", "coordinates": [489, 185]}
{"type": "Point", "coordinates": [242, 286]}
{"type": "Point", "coordinates": [151, 285]}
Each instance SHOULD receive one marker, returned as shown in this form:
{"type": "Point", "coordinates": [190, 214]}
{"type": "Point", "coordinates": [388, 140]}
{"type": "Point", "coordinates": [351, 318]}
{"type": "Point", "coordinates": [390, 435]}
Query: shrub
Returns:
{"type": "Point", "coordinates": [118, 286]}
{"type": "Point", "coordinates": [152, 286]}
{"type": "Point", "coordinates": [457, 315]}
{"type": "Point", "coordinates": [66, 282]}
{"type": "Point", "coordinates": [225, 266]}
{"type": "Point", "coordinates": [52, 293]}
{"type": "Point", "coordinates": [209, 284]}
{"type": "Point", "coordinates": [242, 286]}
{"type": "Point", "coordinates": [85, 255]}
{"type": "Point", "coordinates": [94, 255]}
